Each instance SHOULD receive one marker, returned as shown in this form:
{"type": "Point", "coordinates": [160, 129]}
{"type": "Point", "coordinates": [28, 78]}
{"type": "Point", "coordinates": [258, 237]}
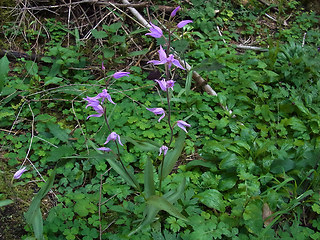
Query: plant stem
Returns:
{"type": "Point", "coordinates": [118, 150]}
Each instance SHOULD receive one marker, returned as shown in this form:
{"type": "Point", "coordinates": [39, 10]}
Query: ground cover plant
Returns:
{"type": "Point", "coordinates": [106, 134]}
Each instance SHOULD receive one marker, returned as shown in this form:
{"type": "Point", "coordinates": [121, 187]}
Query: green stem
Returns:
{"type": "Point", "coordinates": [118, 150]}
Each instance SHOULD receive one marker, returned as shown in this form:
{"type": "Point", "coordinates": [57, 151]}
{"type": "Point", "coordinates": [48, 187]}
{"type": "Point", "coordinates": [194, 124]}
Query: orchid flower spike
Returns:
{"type": "Point", "coordinates": [183, 23]}
{"type": "Point", "coordinates": [113, 137]}
{"type": "Point", "coordinates": [19, 173]}
{"type": "Point", "coordinates": [157, 111]}
{"type": "Point", "coordinates": [182, 124]}
{"type": "Point", "coordinates": [155, 31]}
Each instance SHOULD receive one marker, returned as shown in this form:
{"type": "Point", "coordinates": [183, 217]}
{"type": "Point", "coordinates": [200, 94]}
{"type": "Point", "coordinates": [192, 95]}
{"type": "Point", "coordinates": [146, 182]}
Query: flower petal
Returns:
{"type": "Point", "coordinates": [19, 173]}
{"type": "Point", "coordinates": [120, 74]}
{"type": "Point", "coordinates": [105, 149]}
{"type": "Point", "coordinates": [174, 12]}
{"type": "Point", "coordinates": [155, 31]}
{"type": "Point", "coordinates": [182, 124]}
{"type": "Point", "coordinates": [183, 23]}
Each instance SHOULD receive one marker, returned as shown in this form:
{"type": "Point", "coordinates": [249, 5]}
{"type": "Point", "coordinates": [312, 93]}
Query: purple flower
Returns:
{"type": "Point", "coordinates": [174, 12]}
{"type": "Point", "coordinates": [120, 74]}
{"type": "Point", "coordinates": [182, 124]}
{"type": "Point", "coordinates": [96, 101]}
{"type": "Point", "coordinates": [157, 111]}
{"type": "Point", "coordinates": [164, 59]}
{"type": "Point", "coordinates": [170, 84]}
{"type": "Point", "coordinates": [92, 101]}
{"type": "Point", "coordinates": [102, 67]}
{"type": "Point", "coordinates": [98, 109]}
{"type": "Point", "coordinates": [113, 137]}
{"type": "Point", "coordinates": [105, 95]}
{"type": "Point", "coordinates": [155, 31]}
{"type": "Point", "coordinates": [164, 149]}
{"type": "Point", "coordinates": [19, 173]}
{"type": "Point", "coordinates": [164, 85]}
{"type": "Point", "coordinates": [183, 23]}
{"type": "Point", "coordinates": [104, 149]}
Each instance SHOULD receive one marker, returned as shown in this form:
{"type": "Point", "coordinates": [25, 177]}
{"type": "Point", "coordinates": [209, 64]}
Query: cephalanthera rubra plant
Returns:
{"type": "Point", "coordinates": [154, 196]}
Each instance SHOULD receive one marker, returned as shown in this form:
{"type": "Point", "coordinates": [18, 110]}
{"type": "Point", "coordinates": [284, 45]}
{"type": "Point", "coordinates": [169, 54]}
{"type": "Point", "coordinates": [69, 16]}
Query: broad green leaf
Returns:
{"type": "Point", "coordinates": [124, 173]}
{"type": "Point", "coordinates": [253, 216]}
{"type": "Point", "coordinates": [99, 34]}
{"type": "Point", "coordinates": [172, 156]}
{"type": "Point", "coordinates": [58, 132]}
{"type": "Point", "coordinates": [163, 204]}
{"type": "Point", "coordinates": [5, 202]}
{"type": "Point", "coordinates": [31, 67]}
{"type": "Point", "coordinates": [62, 151]}
{"type": "Point", "coordinates": [33, 215]}
{"type": "Point", "coordinates": [112, 27]}
{"type": "Point", "coordinates": [4, 69]}
{"type": "Point", "coordinates": [173, 196]}
{"type": "Point", "coordinates": [265, 112]}
{"type": "Point", "coordinates": [208, 65]}
{"type": "Point", "coordinates": [212, 198]}
{"type": "Point", "coordinates": [282, 165]}
{"type": "Point", "coordinates": [227, 183]}
{"type": "Point", "coordinates": [151, 213]}
{"type": "Point", "coordinates": [108, 53]}
{"type": "Point", "coordinates": [145, 145]}
{"type": "Point", "coordinates": [137, 53]}
{"type": "Point", "coordinates": [148, 179]}
{"type": "Point", "coordinates": [180, 45]}
{"type": "Point", "coordinates": [52, 80]}
{"type": "Point", "coordinates": [201, 163]}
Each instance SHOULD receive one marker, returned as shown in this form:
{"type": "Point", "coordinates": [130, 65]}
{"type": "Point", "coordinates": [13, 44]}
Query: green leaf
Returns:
{"type": "Point", "coordinates": [31, 67]}
{"type": "Point", "coordinates": [58, 132]}
{"type": "Point", "coordinates": [5, 202]}
{"type": "Point", "coordinates": [33, 215]}
{"type": "Point", "coordinates": [52, 80]}
{"type": "Point", "coordinates": [145, 145]}
{"type": "Point", "coordinates": [201, 163]}
{"type": "Point", "coordinates": [172, 156]}
{"type": "Point", "coordinates": [173, 196]}
{"type": "Point", "coordinates": [62, 151]}
{"type": "Point", "coordinates": [180, 45]}
{"type": "Point", "coordinates": [163, 204]}
{"type": "Point", "coordinates": [118, 39]}
{"type": "Point", "coordinates": [108, 53]}
{"type": "Point", "coordinates": [99, 34]}
{"type": "Point", "coordinates": [113, 27]}
{"type": "Point", "coordinates": [4, 69]}
{"type": "Point", "coordinates": [253, 216]}
{"type": "Point", "coordinates": [83, 207]}
{"type": "Point", "coordinates": [208, 65]}
{"type": "Point", "coordinates": [282, 165]}
{"type": "Point", "coordinates": [212, 198]}
{"type": "Point", "coordinates": [265, 112]}
{"type": "Point", "coordinates": [124, 173]}
{"type": "Point", "coordinates": [148, 179]}
{"type": "Point", "coordinates": [137, 53]}
{"type": "Point", "coordinates": [151, 213]}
